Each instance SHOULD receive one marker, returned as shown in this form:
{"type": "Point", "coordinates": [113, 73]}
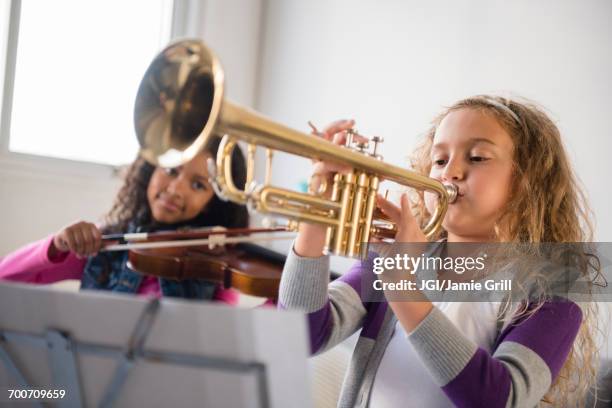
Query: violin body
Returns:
{"type": "Point", "coordinates": [248, 268]}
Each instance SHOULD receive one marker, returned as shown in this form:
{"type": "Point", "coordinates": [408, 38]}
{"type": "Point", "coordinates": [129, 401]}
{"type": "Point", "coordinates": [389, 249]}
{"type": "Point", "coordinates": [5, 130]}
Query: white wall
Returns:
{"type": "Point", "coordinates": [232, 30]}
{"type": "Point", "coordinates": [392, 65]}
{"type": "Point", "coordinates": [37, 199]}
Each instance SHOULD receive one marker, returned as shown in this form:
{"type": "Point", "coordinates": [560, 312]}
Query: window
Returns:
{"type": "Point", "coordinates": [77, 69]}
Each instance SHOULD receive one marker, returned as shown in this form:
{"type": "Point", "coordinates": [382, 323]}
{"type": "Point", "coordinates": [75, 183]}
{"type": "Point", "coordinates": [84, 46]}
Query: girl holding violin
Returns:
{"type": "Point", "coordinates": [151, 199]}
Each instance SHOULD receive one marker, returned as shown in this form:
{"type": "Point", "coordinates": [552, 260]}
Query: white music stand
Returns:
{"type": "Point", "coordinates": [115, 350]}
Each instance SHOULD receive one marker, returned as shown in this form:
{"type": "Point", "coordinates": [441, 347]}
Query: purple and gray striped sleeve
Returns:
{"type": "Point", "coordinates": [334, 311]}
{"type": "Point", "coordinates": [527, 357]}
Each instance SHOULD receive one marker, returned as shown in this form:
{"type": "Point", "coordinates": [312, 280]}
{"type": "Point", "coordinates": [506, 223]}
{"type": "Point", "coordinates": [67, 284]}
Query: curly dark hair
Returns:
{"type": "Point", "coordinates": [132, 207]}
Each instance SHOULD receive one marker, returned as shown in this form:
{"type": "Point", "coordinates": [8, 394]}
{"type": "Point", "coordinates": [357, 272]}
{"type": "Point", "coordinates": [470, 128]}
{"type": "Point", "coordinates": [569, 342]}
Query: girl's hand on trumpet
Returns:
{"type": "Point", "coordinates": [311, 238]}
{"type": "Point", "coordinates": [407, 227]}
{"type": "Point", "coordinates": [323, 172]}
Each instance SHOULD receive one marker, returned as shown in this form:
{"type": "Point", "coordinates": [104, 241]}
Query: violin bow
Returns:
{"type": "Point", "coordinates": [211, 237]}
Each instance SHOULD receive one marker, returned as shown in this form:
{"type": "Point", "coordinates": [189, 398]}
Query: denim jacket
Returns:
{"type": "Point", "coordinates": [109, 271]}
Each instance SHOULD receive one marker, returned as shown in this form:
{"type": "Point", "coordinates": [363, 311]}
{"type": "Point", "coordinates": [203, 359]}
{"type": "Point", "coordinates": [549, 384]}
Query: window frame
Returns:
{"type": "Point", "coordinates": [33, 163]}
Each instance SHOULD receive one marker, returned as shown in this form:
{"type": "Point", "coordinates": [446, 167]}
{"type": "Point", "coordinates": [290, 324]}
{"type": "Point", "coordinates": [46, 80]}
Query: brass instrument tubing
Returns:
{"type": "Point", "coordinates": [356, 213]}
{"type": "Point", "coordinates": [344, 213]}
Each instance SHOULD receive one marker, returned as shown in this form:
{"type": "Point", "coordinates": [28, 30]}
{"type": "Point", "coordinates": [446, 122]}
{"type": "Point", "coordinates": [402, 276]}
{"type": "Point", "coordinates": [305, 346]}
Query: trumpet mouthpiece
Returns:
{"type": "Point", "coordinates": [452, 190]}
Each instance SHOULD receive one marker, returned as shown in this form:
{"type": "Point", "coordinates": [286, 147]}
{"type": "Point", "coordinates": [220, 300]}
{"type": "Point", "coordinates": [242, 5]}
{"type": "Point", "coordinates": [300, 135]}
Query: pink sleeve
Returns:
{"type": "Point", "coordinates": [31, 264]}
{"type": "Point", "coordinates": [229, 296]}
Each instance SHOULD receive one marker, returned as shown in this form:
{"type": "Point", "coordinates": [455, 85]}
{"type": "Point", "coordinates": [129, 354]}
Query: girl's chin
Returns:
{"type": "Point", "coordinates": [458, 226]}
{"type": "Point", "coordinates": [466, 230]}
{"type": "Point", "coordinates": [165, 218]}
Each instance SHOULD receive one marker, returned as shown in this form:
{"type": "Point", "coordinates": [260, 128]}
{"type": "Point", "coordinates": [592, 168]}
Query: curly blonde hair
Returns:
{"type": "Point", "coordinates": [547, 205]}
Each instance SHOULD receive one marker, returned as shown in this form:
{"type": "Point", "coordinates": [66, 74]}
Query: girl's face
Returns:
{"type": "Point", "coordinates": [474, 152]}
{"type": "Point", "coordinates": [180, 193]}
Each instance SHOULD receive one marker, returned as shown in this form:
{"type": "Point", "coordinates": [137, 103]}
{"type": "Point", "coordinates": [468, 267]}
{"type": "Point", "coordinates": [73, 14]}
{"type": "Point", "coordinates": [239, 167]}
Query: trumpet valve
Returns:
{"type": "Point", "coordinates": [350, 133]}
{"type": "Point", "coordinates": [377, 140]}
{"type": "Point", "coordinates": [362, 147]}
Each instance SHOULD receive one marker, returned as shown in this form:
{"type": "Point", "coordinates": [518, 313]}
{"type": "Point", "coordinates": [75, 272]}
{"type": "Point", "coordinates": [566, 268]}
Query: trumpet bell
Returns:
{"type": "Point", "coordinates": [178, 103]}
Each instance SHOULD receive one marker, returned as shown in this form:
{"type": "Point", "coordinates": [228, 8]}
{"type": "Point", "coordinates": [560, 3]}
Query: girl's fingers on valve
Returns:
{"type": "Point", "coordinates": [359, 138]}
{"type": "Point", "coordinates": [325, 168]}
{"type": "Point", "coordinates": [331, 131]}
{"type": "Point", "coordinates": [338, 126]}
{"type": "Point", "coordinates": [335, 168]}
{"type": "Point", "coordinates": [389, 209]}
{"type": "Point", "coordinates": [408, 229]}
{"type": "Point", "coordinates": [340, 138]}
{"type": "Point", "coordinates": [407, 216]}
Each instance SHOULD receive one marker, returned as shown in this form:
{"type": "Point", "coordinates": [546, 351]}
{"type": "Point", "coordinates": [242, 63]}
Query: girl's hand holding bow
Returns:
{"type": "Point", "coordinates": [83, 238]}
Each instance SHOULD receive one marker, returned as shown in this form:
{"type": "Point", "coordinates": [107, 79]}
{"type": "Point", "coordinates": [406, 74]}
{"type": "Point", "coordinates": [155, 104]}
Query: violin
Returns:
{"type": "Point", "coordinates": [224, 257]}
{"type": "Point", "coordinates": [248, 268]}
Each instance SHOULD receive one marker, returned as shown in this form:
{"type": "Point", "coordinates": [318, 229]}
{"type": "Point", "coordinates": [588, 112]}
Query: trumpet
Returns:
{"type": "Point", "coordinates": [180, 108]}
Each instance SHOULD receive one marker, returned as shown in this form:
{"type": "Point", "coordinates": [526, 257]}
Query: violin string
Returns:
{"type": "Point", "coordinates": [192, 242]}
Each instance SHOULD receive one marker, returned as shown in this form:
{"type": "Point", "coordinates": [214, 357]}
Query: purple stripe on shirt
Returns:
{"type": "Point", "coordinates": [374, 320]}
{"type": "Point", "coordinates": [319, 326]}
{"type": "Point", "coordinates": [484, 382]}
{"type": "Point", "coordinates": [353, 277]}
{"type": "Point", "coordinates": [361, 278]}
{"type": "Point", "coordinates": [549, 332]}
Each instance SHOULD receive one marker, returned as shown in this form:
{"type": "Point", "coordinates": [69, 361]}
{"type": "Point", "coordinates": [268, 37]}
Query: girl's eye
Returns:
{"type": "Point", "coordinates": [439, 162]}
{"type": "Point", "coordinates": [198, 186]}
{"type": "Point", "coordinates": [171, 171]}
{"type": "Point", "coordinates": [478, 158]}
